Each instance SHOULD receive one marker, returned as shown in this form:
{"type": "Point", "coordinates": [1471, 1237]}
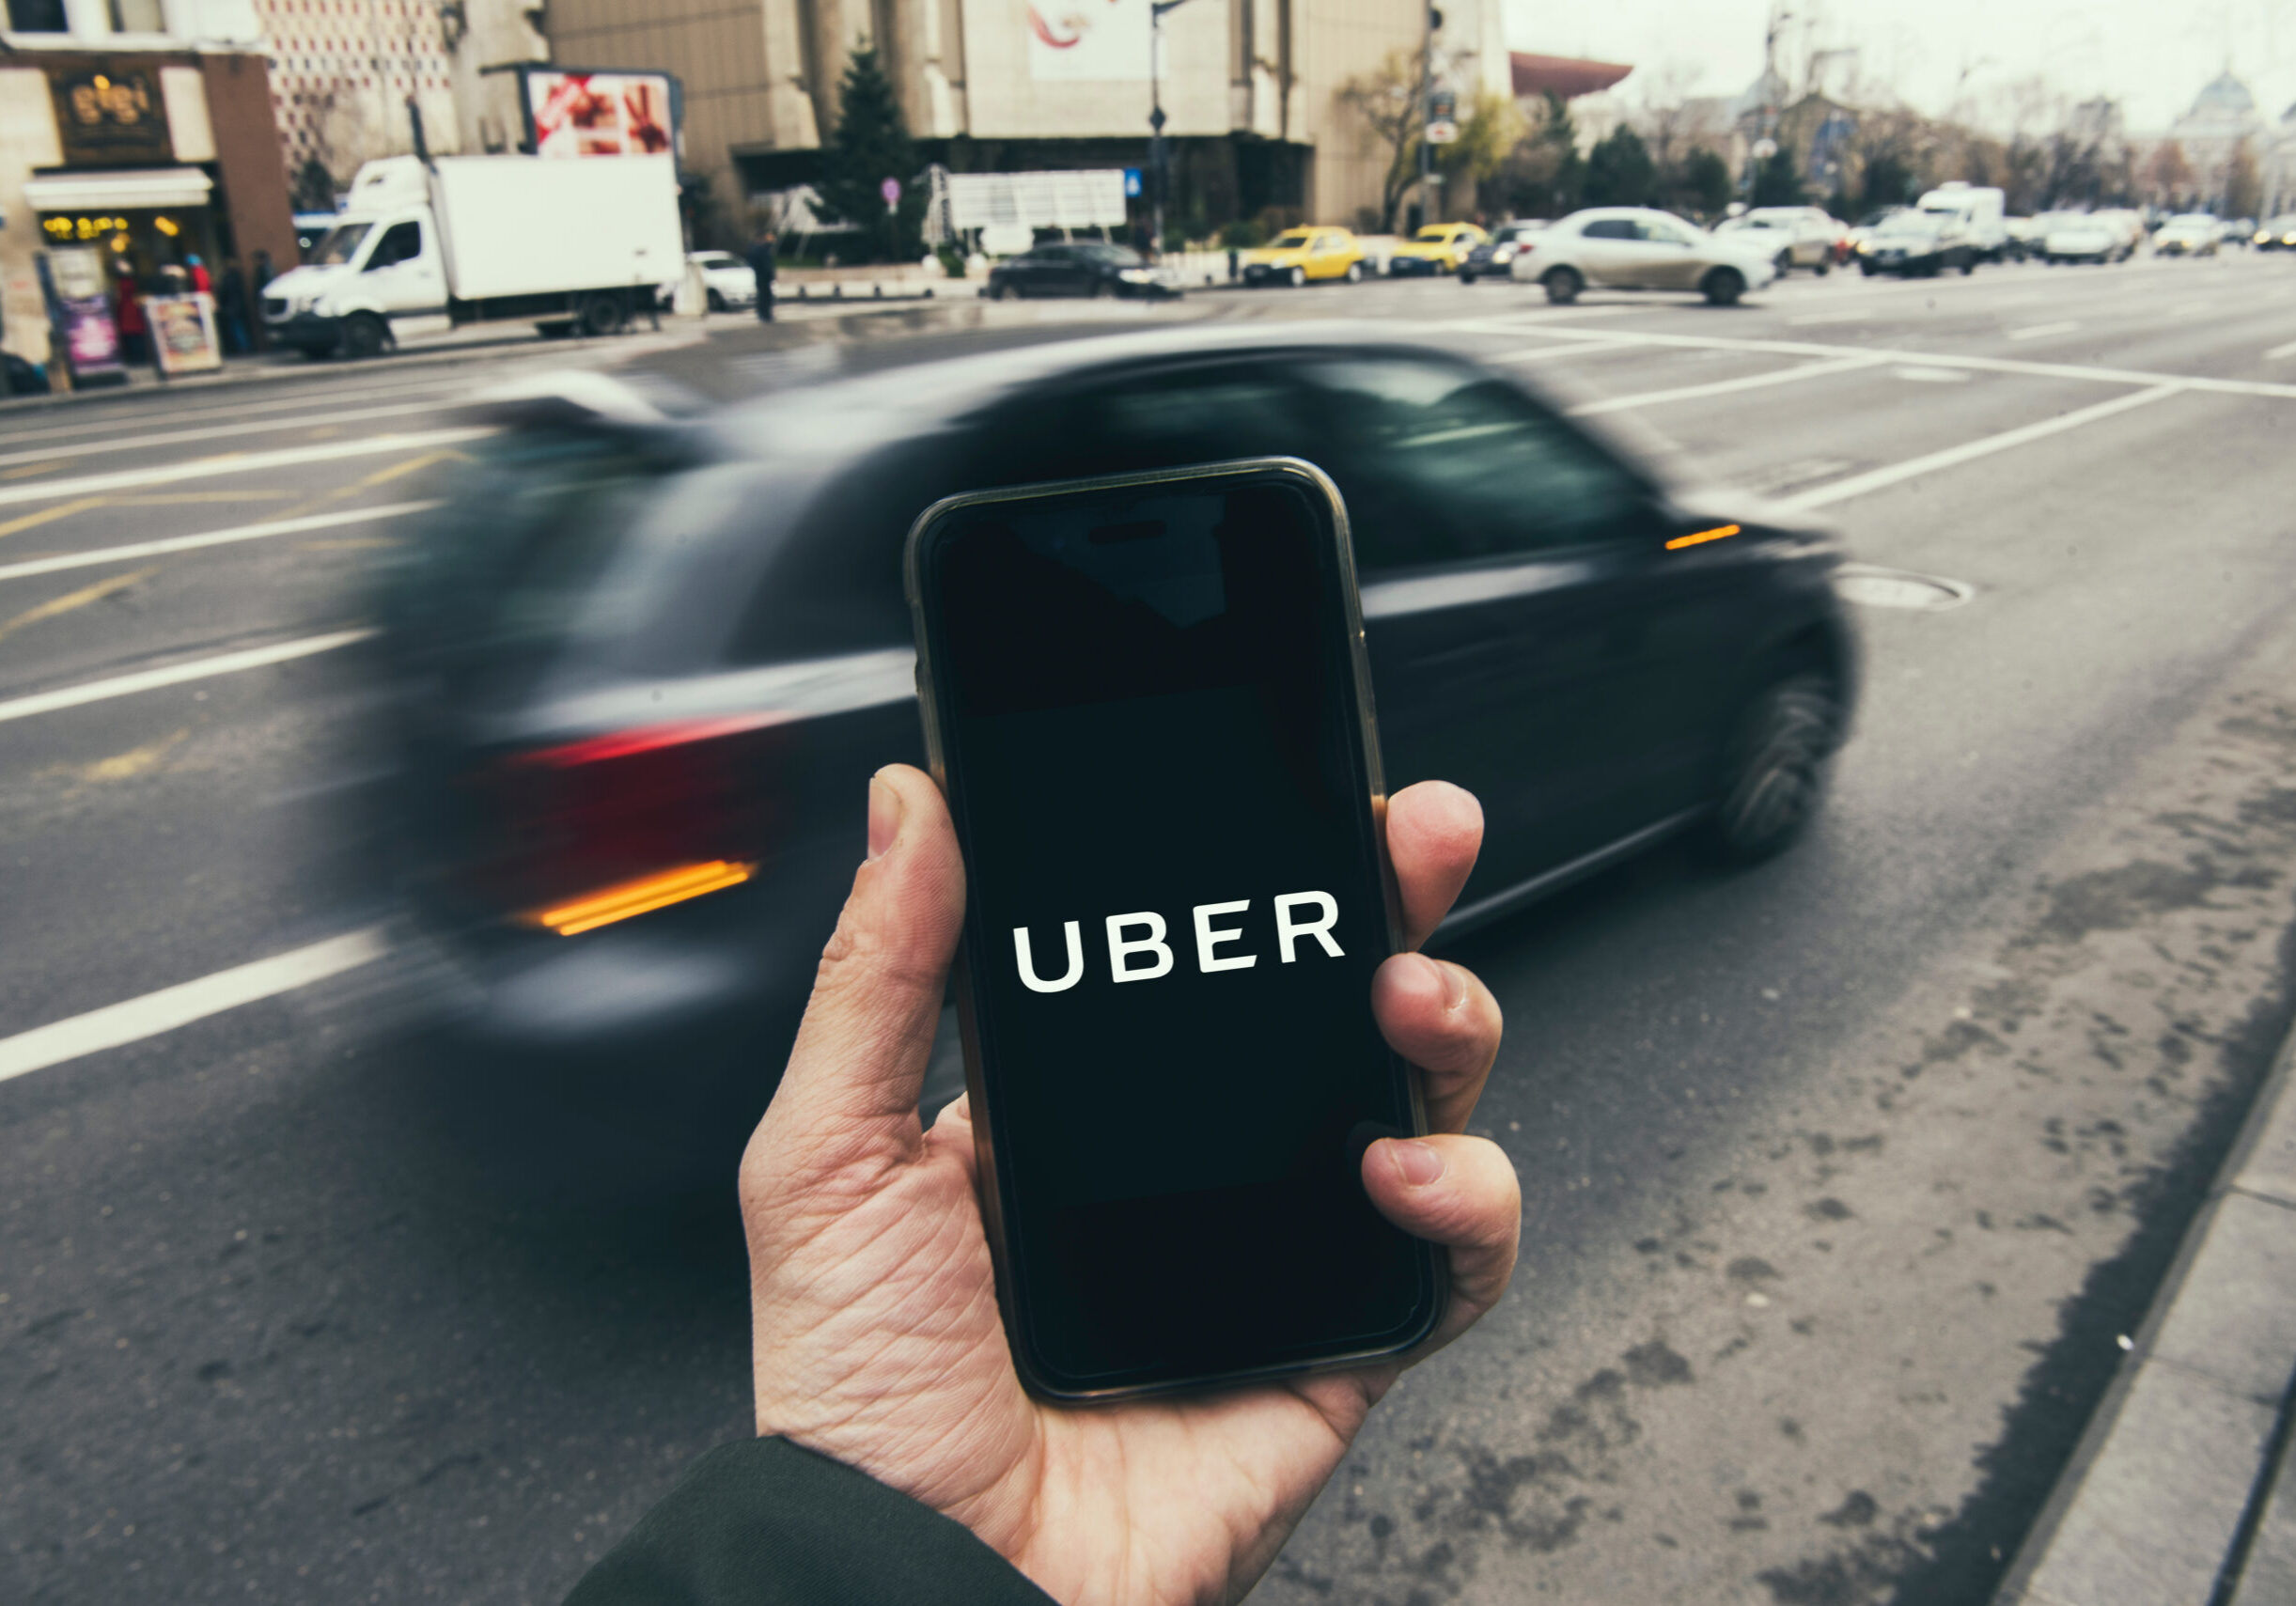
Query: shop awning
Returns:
{"type": "Point", "coordinates": [127, 190]}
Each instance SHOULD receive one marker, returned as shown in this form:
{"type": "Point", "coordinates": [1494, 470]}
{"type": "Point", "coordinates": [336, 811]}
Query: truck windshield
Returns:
{"type": "Point", "coordinates": [341, 245]}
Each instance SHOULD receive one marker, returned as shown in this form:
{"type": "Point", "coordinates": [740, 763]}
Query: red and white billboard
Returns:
{"type": "Point", "coordinates": [600, 113]}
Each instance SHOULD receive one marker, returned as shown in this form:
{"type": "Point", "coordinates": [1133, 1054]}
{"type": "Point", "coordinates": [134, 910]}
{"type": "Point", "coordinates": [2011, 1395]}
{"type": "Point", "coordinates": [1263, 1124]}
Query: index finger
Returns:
{"type": "Point", "coordinates": [1434, 832]}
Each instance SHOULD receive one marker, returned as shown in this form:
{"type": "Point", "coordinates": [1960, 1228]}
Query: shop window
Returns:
{"type": "Point", "coordinates": [138, 17]}
{"type": "Point", "coordinates": [37, 17]}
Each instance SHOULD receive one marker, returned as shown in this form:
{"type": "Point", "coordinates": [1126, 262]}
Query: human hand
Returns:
{"type": "Point", "coordinates": [877, 1340]}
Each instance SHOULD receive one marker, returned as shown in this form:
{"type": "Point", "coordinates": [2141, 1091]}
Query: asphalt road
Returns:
{"type": "Point", "coordinates": [1842, 1178]}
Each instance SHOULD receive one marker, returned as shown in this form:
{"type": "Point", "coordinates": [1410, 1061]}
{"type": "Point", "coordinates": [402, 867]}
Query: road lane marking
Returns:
{"type": "Point", "coordinates": [175, 675]}
{"type": "Point", "coordinates": [1722, 387]}
{"type": "Point", "coordinates": [49, 515]}
{"type": "Point", "coordinates": [1895, 473]}
{"type": "Point", "coordinates": [240, 463]}
{"type": "Point", "coordinates": [1931, 376]}
{"type": "Point", "coordinates": [1567, 349]}
{"type": "Point", "coordinates": [1844, 317]}
{"type": "Point", "coordinates": [2042, 331]}
{"type": "Point", "coordinates": [1942, 360]}
{"type": "Point", "coordinates": [118, 1024]}
{"type": "Point", "coordinates": [54, 460]}
{"type": "Point", "coordinates": [2189, 308]}
{"type": "Point", "coordinates": [381, 477]}
{"type": "Point", "coordinates": [114, 423]}
{"type": "Point", "coordinates": [56, 607]}
{"type": "Point", "coordinates": [211, 539]}
{"type": "Point", "coordinates": [2279, 351]}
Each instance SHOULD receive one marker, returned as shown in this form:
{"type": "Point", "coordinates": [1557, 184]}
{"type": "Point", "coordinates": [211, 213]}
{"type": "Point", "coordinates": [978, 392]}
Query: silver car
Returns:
{"type": "Point", "coordinates": [1640, 248]}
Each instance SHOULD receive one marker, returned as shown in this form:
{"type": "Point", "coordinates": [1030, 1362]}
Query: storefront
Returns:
{"type": "Point", "coordinates": [145, 221]}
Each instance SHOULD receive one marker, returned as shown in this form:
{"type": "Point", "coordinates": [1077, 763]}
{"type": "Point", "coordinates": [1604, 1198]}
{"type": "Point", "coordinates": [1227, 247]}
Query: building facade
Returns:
{"type": "Point", "coordinates": [142, 129]}
{"type": "Point", "coordinates": [1250, 88]}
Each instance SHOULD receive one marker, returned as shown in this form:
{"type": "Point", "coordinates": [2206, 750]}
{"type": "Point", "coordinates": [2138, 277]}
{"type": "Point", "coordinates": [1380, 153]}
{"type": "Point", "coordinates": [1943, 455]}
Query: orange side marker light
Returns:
{"type": "Point", "coordinates": [1700, 537]}
{"type": "Point", "coordinates": [643, 896]}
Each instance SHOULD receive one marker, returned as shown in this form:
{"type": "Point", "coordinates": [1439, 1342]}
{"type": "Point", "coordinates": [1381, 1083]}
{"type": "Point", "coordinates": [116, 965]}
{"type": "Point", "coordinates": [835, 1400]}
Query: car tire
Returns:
{"type": "Point", "coordinates": [1867, 269]}
{"type": "Point", "coordinates": [1773, 769]}
{"type": "Point", "coordinates": [1103, 290]}
{"type": "Point", "coordinates": [1355, 273]}
{"type": "Point", "coordinates": [365, 336]}
{"type": "Point", "coordinates": [1465, 277]}
{"type": "Point", "coordinates": [1783, 263]}
{"type": "Point", "coordinates": [1824, 267]}
{"type": "Point", "coordinates": [1723, 287]}
{"type": "Point", "coordinates": [1969, 266]}
{"type": "Point", "coordinates": [717, 301]}
{"type": "Point", "coordinates": [1296, 278]}
{"type": "Point", "coordinates": [1563, 285]}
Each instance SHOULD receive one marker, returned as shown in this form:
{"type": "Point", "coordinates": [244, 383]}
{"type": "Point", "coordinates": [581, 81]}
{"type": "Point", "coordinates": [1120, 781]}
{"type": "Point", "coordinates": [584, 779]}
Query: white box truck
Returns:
{"type": "Point", "coordinates": [1977, 212]}
{"type": "Point", "coordinates": [423, 247]}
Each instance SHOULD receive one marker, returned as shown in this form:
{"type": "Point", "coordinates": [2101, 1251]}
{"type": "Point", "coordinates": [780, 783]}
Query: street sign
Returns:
{"type": "Point", "coordinates": [1442, 133]}
{"type": "Point", "coordinates": [891, 190]}
{"type": "Point", "coordinates": [1131, 183]}
{"type": "Point", "coordinates": [1441, 105]}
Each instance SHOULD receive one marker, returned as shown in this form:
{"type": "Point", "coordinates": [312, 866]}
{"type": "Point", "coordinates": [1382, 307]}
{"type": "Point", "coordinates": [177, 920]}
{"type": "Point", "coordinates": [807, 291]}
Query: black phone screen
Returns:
{"type": "Point", "coordinates": [1156, 760]}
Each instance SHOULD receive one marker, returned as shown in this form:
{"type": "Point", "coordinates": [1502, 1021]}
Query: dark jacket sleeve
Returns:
{"type": "Point", "coordinates": [764, 1522]}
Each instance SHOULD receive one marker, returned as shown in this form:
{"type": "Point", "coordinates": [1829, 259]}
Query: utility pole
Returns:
{"type": "Point", "coordinates": [1158, 177]}
{"type": "Point", "coordinates": [1426, 102]}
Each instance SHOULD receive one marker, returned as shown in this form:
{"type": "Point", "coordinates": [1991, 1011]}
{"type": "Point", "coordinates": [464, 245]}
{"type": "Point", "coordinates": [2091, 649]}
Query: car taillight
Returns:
{"type": "Point", "coordinates": [586, 834]}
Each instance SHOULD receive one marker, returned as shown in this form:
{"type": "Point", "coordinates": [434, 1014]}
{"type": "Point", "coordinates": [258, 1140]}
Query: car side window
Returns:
{"type": "Point", "coordinates": [1440, 463]}
{"type": "Point", "coordinates": [1609, 228]}
{"type": "Point", "coordinates": [401, 242]}
{"type": "Point", "coordinates": [1664, 233]}
{"type": "Point", "coordinates": [1138, 420]}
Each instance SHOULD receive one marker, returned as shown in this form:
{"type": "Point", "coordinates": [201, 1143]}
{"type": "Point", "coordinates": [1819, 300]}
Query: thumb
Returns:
{"type": "Point", "coordinates": [859, 1061]}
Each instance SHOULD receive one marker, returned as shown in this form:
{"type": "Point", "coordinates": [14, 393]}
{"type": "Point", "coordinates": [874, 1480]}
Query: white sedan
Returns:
{"type": "Point", "coordinates": [1640, 248]}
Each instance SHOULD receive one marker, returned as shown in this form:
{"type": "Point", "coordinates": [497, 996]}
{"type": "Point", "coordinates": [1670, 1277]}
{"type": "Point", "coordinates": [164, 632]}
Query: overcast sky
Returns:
{"type": "Point", "coordinates": [2154, 54]}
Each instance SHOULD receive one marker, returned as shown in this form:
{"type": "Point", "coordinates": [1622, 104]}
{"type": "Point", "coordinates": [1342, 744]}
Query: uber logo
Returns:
{"type": "Point", "coordinates": [1137, 950]}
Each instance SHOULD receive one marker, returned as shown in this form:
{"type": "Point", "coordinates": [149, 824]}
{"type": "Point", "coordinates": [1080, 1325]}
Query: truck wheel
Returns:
{"type": "Point", "coordinates": [602, 313]}
{"type": "Point", "coordinates": [365, 336]}
{"type": "Point", "coordinates": [1563, 285]}
{"type": "Point", "coordinates": [1724, 286]}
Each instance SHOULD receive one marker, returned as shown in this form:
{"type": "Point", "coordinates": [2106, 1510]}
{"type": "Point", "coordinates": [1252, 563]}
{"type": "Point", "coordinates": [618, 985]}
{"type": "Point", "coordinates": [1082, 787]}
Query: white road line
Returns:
{"type": "Point", "coordinates": [175, 675]}
{"type": "Point", "coordinates": [1895, 473]}
{"type": "Point", "coordinates": [218, 432]}
{"type": "Point", "coordinates": [2279, 351]}
{"type": "Point", "coordinates": [1571, 347]}
{"type": "Point", "coordinates": [30, 567]}
{"type": "Point", "coordinates": [163, 1011]}
{"type": "Point", "coordinates": [1943, 360]}
{"type": "Point", "coordinates": [2189, 308]}
{"type": "Point", "coordinates": [1722, 387]}
{"type": "Point", "coordinates": [1809, 317]}
{"type": "Point", "coordinates": [2042, 331]}
{"type": "Point", "coordinates": [249, 462]}
{"type": "Point", "coordinates": [110, 423]}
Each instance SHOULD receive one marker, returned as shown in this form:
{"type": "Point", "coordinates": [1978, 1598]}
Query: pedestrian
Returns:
{"type": "Point", "coordinates": [898, 1457]}
{"type": "Point", "coordinates": [231, 309]}
{"type": "Point", "coordinates": [761, 264]}
{"type": "Point", "coordinates": [260, 275]}
{"type": "Point", "coordinates": [128, 314]}
{"type": "Point", "coordinates": [201, 283]}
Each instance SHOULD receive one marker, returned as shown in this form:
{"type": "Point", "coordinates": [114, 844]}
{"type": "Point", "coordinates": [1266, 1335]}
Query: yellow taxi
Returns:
{"type": "Point", "coordinates": [1299, 254]}
{"type": "Point", "coordinates": [1438, 248]}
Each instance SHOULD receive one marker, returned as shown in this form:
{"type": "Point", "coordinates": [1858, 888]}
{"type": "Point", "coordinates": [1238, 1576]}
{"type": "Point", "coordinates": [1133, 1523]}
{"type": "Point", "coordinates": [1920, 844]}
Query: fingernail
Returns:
{"type": "Point", "coordinates": [885, 809]}
{"type": "Point", "coordinates": [1448, 978]}
{"type": "Point", "coordinates": [1418, 1163]}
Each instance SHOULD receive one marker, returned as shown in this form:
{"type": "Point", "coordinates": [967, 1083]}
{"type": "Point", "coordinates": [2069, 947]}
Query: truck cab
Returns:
{"type": "Point", "coordinates": [1975, 212]}
{"type": "Point", "coordinates": [378, 277]}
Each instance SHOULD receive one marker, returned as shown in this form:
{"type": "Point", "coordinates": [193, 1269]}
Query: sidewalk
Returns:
{"type": "Point", "coordinates": [2182, 1491]}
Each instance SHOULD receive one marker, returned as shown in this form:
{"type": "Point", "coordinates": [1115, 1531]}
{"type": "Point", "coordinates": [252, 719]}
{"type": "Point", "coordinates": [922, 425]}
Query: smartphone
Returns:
{"type": "Point", "coordinates": [1146, 701]}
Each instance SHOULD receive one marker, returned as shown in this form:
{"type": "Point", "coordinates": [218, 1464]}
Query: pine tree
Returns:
{"type": "Point", "coordinates": [1619, 172]}
{"type": "Point", "coordinates": [1778, 182]}
{"type": "Point", "coordinates": [872, 145]}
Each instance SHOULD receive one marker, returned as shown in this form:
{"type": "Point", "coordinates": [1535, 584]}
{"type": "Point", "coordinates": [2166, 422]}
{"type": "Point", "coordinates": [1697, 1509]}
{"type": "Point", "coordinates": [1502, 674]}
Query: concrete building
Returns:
{"type": "Point", "coordinates": [1250, 87]}
{"type": "Point", "coordinates": [341, 74]}
{"type": "Point", "coordinates": [2223, 119]}
{"type": "Point", "coordinates": [141, 128]}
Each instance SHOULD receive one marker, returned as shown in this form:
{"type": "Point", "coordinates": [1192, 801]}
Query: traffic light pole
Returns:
{"type": "Point", "coordinates": [1427, 22]}
{"type": "Point", "coordinates": [1158, 177]}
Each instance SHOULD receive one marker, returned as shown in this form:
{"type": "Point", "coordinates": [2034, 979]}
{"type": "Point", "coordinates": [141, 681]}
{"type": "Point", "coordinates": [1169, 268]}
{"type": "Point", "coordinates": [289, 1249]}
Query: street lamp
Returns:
{"type": "Point", "coordinates": [1156, 119]}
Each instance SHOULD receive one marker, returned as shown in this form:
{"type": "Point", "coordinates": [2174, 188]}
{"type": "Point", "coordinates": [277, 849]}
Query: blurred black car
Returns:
{"type": "Point", "coordinates": [1913, 245]}
{"type": "Point", "coordinates": [640, 665]}
{"type": "Point", "coordinates": [1490, 258]}
{"type": "Point", "coordinates": [1078, 269]}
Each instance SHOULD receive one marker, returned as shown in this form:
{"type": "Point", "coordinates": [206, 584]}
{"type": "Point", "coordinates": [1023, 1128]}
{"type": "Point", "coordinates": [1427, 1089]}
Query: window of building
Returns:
{"type": "Point", "coordinates": [37, 17]}
{"type": "Point", "coordinates": [138, 17]}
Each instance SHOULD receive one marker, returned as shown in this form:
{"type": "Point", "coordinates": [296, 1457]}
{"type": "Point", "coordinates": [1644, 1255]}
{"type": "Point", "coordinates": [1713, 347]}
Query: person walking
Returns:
{"type": "Point", "coordinates": [231, 309]}
{"type": "Point", "coordinates": [761, 264]}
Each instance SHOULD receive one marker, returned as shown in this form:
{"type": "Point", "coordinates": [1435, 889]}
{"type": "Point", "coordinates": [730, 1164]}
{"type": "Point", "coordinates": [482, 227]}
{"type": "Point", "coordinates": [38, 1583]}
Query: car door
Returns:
{"type": "Point", "coordinates": [405, 275]}
{"type": "Point", "coordinates": [1609, 251]}
{"type": "Point", "coordinates": [1670, 255]}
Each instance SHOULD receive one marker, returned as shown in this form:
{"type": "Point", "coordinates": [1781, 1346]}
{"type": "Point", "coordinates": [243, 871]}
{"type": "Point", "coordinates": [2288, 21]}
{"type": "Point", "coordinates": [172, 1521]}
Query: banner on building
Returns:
{"type": "Point", "coordinates": [598, 113]}
{"type": "Point", "coordinates": [1087, 199]}
{"type": "Point", "coordinates": [1089, 40]}
{"type": "Point", "coordinates": [184, 336]}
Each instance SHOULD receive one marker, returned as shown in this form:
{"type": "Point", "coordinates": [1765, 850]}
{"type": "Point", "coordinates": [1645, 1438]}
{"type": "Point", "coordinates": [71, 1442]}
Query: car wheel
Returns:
{"type": "Point", "coordinates": [1969, 266]}
{"type": "Point", "coordinates": [717, 301]}
{"type": "Point", "coordinates": [1355, 273]}
{"type": "Point", "coordinates": [1824, 267]}
{"type": "Point", "coordinates": [365, 336]}
{"type": "Point", "coordinates": [1103, 288]}
{"type": "Point", "coordinates": [1724, 286]}
{"type": "Point", "coordinates": [1297, 277]}
{"type": "Point", "coordinates": [1563, 285]}
{"type": "Point", "coordinates": [1773, 769]}
{"type": "Point", "coordinates": [1783, 263]}
{"type": "Point", "coordinates": [1867, 269]}
{"type": "Point", "coordinates": [1465, 277]}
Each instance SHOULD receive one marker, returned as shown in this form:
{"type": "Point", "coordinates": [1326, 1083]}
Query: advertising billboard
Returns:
{"type": "Point", "coordinates": [600, 113]}
{"type": "Point", "coordinates": [1089, 40]}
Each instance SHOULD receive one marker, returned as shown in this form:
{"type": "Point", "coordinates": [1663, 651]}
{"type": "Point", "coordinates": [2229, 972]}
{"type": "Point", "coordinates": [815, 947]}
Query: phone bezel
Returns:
{"type": "Point", "coordinates": [1325, 497]}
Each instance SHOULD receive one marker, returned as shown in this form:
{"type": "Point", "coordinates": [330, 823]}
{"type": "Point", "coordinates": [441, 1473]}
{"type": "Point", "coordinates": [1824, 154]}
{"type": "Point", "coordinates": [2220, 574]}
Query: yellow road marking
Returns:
{"type": "Point", "coordinates": [71, 599]}
{"type": "Point", "coordinates": [354, 543]}
{"type": "Point", "coordinates": [30, 469]}
{"type": "Point", "coordinates": [186, 497]}
{"type": "Point", "coordinates": [61, 510]}
{"type": "Point", "coordinates": [381, 477]}
{"type": "Point", "coordinates": [121, 766]}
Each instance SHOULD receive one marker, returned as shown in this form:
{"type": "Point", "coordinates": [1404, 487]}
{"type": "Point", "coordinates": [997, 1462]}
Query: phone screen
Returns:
{"type": "Point", "coordinates": [1156, 758]}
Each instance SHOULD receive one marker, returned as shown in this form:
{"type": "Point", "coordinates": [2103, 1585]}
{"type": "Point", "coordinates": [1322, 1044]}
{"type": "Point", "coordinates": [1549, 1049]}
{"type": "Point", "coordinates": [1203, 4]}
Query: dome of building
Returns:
{"type": "Point", "coordinates": [2227, 97]}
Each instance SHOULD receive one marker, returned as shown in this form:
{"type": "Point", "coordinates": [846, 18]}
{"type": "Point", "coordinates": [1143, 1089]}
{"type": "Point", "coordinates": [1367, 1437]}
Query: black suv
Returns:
{"type": "Point", "coordinates": [1078, 269]}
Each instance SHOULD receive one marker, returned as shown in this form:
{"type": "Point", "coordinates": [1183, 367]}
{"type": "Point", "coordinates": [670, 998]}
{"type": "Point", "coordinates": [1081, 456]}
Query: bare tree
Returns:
{"type": "Point", "coordinates": [1388, 101]}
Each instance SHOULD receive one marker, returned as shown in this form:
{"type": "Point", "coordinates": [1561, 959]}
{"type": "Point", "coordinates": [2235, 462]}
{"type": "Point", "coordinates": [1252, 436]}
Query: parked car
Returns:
{"type": "Point", "coordinates": [1916, 244]}
{"type": "Point", "coordinates": [1298, 255]}
{"type": "Point", "coordinates": [1640, 248]}
{"type": "Point", "coordinates": [1976, 212]}
{"type": "Point", "coordinates": [1080, 268]}
{"type": "Point", "coordinates": [731, 281]}
{"type": "Point", "coordinates": [2025, 236]}
{"type": "Point", "coordinates": [1862, 230]}
{"type": "Point", "coordinates": [636, 670]}
{"type": "Point", "coordinates": [1490, 258]}
{"type": "Point", "coordinates": [1438, 248]}
{"type": "Point", "coordinates": [2188, 234]}
{"type": "Point", "coordinates": [2277, 234]}
{"type": "Point", "coordinates": [1797, 237]}
{"type": "Point", "coordinates": [2091, 237]}
{"type": "Point", "coordinates": [2239, 231]}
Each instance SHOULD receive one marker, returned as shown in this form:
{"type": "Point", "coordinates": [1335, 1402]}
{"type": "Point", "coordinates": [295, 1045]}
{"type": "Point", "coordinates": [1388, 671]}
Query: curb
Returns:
{"type": "Point", "coordinates": [2167, 1491]}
